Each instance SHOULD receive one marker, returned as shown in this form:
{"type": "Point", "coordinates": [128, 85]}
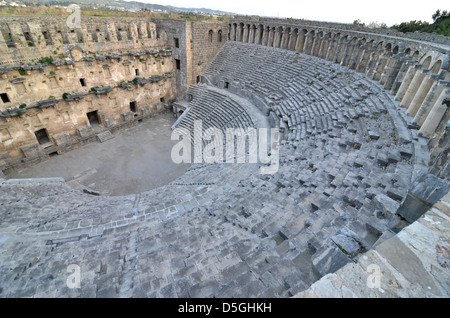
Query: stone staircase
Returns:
{"type": "Point", "coordinates": [412, 264]}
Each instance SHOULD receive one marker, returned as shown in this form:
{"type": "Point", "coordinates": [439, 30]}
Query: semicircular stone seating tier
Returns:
{"type": "Point", "coordinates": [224, 230]}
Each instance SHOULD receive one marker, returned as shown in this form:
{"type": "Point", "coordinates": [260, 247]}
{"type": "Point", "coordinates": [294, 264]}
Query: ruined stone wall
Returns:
{"type": "Point", "coordinates": [198, 43]}
{"type": "Point", "coordinates": [26, 40]}
{"type": "Point", "coordinates": [56, 97]}
{"type": "Point", "coordinates": [208, 38]}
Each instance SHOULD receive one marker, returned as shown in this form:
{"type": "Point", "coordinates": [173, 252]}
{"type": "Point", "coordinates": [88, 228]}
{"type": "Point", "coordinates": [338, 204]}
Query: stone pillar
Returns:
{"type": "Point", "coordinates": [362, 63]}
{"type": "Point", "coordinates": [337, 55]}
{"type": "Point", "coordinates": [394, 72]}
{"type": "Point", "coordinates": [259, 30]}
{"type": "Point", "coordinates": [348, 52]}
{"type": "Point", "coordinates": [315, 45]}
{"type": "Point", "coordinates": [399, 77]}
{"type": "Point", "coordinates": [271, 37]}
{"type": "Point", "coordinates": [300, 41]}
{"type": "Point", "coordinates": [413, 67]}
{"type": "Point", "coordinates": [373, 62]}
{"type": "Point", "coordinates": [414, 87]}
{"type": "Point", "coordinates": [421, 94]}
{"type": "Point", "coordinates": [356, 54]}
{"type": "Point", "coordinates": [292, 40]}
{"type": "Point", "coordinates": [434, 93]}
{"type": "Point", "coordinates": [240, 33]}
{"type": "Point", "coordinates": [233, 32]}
{"type": "Point", "coordinates": [308, 43]}
{"type": "Point", "coordinates": [379, 68]}
{"type": "Point", "coordinates": [324, 47]}
{"type": "Point", "coordinates": [331, 49]}
{"type": "Point", "coordinates": [437, 112]}
{"type": "Point", "coordinates": [265, 38]}
{"type": "Point", "coordinates": [245, 38]}
{"type": "Point", "coordinates": [285, 39]}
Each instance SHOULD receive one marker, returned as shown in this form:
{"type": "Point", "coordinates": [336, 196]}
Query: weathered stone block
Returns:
{"type": "Point", "coordinates": [328, 259]}
{"type": "Point", "coordinates": [426, 191]}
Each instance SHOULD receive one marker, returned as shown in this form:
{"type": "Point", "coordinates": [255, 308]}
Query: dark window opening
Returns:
{"type": "Point", "coordinates": [9, 40]}
{"type": "Point", "coordinates": [53, 154]}
{"type": "Point", "coordinates": [136, 72]}
{"type": "Point", "coordinates": [133, 107]}
{"type": "Point", "coordinates": [176, 42]}
{"type": "Point", "coordinates": [42, 136]}
{"type": "Point", "coordinates": [46, 36]}
{"type": "Point", "coordinates": [220, 36]}
{"type": "Point", "coordinates": [178, 63]}
{"type": "Point", "coordinates": [162, 99]}
{"type": "Point", "coordinates": [83, 82]}
{"type": "Point", "coordinates": [72, 31]}
{"type": "Point", "coordinates": [93, 118]}
{"type": "Point", "coordinates": [210, 36]}
{"type": "Point", "coordinates": [97, 30]}
{"type": "Point", "coordinates": [28, 36]}
{"type": "Point", "coordinates": [5, 97]}
{"type": "Point", "coordinates": [199, 79]}
{"type": "Point", "coordinates": [227, 85]}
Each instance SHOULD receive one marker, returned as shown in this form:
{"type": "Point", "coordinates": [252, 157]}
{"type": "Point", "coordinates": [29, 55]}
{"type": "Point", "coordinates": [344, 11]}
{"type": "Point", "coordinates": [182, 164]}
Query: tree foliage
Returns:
{"type": "Point", "coordinates": [441, 24]}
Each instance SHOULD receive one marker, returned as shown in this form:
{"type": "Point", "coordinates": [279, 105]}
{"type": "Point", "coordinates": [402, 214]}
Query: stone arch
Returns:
{"type": "Point", "coordinates": [396, 49]}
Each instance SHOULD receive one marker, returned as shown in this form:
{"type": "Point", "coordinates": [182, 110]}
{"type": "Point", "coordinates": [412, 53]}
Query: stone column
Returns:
{"type": "Point", "coordinates": [300, 41]}
{"type": "Point", "coordinates": [265, 38]}
{"type": "Point", "coordinates": [245, 38]}
{"type": "Point", "coordinates": [355, 54]}
{"type": "Point", "coordinates": [308, 43]}
{"type": "Point", "coordinates": [271, 37]}
{"type": "Point", "coordinates": [394, 72]}
{"type": "Point", "coordinates": [285, 39]}
{"type": "Point", "coordinates": [348, 52]}
{"type": "Point", "coordinates": [324, 47]}
{"type": "Point", "coordinates": [413, 67]}
{"type": "Point", "coordinates": [315, 44]}
{"type": "Point", "coordinates": [337, 55]}
{"type": "Point", "coordinates": [259, 31]}
{"type": "Point", "coordinates": [437, 112]}
{"type": "Point", "coordinates": [331, 49]}
{"type": "Point", "coordinates": [233, 32]}
{"type": "Point", "coordinates": [292, 40]}
{"type": "Point", "coordinates": [381, 65]}
{"type": "Point", "coordinates": [430, 100]}
{"type": "Point", "coordinates": [414, 87]}
{"type": "Point", "coordinates": [421, 94]}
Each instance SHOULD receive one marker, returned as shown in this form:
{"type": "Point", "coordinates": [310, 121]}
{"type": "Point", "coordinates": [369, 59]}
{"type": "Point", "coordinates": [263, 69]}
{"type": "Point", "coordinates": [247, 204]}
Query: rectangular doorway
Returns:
{"type": "Point", "coordinates": [42, 136]}
{"type": "Point", "coordinates": [93, 118]}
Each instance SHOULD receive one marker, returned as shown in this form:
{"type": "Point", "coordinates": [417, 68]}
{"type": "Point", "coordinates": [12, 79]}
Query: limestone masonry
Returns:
{"type": "Point", "coordinates": [362, 181]}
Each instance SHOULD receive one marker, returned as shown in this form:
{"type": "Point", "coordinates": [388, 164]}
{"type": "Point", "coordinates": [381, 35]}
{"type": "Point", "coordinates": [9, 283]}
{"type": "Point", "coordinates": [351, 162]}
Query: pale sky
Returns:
{"type": "Point", "coordinates": [346, 11]}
